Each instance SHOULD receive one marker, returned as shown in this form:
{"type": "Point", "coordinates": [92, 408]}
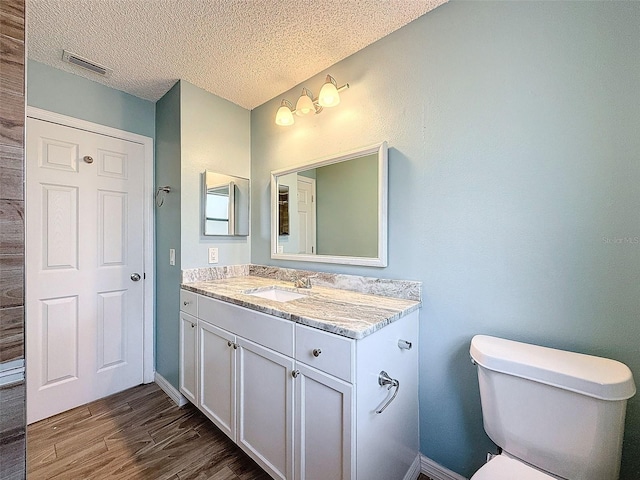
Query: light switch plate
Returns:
{"type": "Point", "coordinates": [213, 255]}
{"type": "Point", "coordinates": [172, 256]}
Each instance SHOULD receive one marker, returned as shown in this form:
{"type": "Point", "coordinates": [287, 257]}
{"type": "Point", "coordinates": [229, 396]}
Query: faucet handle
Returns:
{"type": "Point", "coordinates": [308, 280]}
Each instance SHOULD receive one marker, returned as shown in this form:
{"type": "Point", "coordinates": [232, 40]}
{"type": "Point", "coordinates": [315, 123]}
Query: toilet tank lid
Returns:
{"type": "Point", "coordinates": [597, 377]}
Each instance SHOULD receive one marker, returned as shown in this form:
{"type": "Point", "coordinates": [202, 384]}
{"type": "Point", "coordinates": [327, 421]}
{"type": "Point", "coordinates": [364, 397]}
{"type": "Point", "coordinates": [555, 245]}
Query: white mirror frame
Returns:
{"type": "Point", "coordinates": [381, 259]}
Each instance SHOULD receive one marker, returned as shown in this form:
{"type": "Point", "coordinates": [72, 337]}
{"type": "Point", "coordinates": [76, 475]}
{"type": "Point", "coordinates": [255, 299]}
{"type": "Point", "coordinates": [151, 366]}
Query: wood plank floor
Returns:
{"type": "Point", "coordinates": [135, 434]}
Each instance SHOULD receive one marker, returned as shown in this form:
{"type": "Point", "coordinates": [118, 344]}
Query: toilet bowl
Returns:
{"type": "Point", "coordinates": [503, 467]}
{"type": "Point", "coordinates": [554, 414]}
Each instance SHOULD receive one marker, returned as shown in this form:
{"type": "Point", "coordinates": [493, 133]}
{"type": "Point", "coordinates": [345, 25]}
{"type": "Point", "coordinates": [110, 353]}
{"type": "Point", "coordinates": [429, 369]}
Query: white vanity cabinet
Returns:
{"type": "Point", "coordinates": [265, 407]}
{"type": "Point", "coordinates": [188, 346]}
{"type": "Point", "coordinates": [324, 441]}
{"type": "Point", "coordinates": [217, 377]}
{"type": "Point", "coordinates": [245, 382]}
{"type": "Point", "coordinates": [301, 401]}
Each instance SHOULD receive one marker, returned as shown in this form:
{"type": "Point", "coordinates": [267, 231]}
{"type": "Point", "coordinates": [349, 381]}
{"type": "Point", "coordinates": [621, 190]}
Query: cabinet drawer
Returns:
{"type": "Point", "coordinates": [327, 352]}
{"type": "Point", "coordinates": [188, 303]}
{"type": "Point", "coordinates": [267, 330]}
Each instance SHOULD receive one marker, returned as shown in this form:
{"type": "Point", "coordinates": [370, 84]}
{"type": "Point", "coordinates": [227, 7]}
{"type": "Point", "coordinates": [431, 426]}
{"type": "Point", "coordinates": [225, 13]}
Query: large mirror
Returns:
{"type": "Point", "coordinates": [332, 210]}
{"type": "Point", "coordinates": [225, 205]}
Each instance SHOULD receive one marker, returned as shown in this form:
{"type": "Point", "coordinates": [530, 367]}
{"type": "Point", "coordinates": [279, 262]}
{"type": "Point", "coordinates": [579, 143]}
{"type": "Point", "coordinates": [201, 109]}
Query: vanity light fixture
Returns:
{"type": "Point", "coordinates": [306, 104]}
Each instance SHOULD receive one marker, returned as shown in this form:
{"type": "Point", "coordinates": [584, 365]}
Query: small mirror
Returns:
{"type": "Point", "coordinates": [332, 210]}
{"type": "Point", "coordinates": [226, 205]}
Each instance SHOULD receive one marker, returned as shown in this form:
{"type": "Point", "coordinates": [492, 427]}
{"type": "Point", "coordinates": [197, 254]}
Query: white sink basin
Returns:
{"type": "Point", "coordinates": [276, 294]}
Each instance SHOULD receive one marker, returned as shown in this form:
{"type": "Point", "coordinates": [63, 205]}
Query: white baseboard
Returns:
{"type": "Point", "coordinates": [414, 470]}
{"type": "Point", "coordinates": [173, 393]}
{"type": "Point", "coordinates": [436, 471]}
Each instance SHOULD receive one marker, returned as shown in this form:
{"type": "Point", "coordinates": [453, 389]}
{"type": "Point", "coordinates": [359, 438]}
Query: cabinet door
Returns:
{"type": "Point", "coordinates": [217, 382]}
{"type": "Point", "coordinates": [265, 408]}
{"type": "Point", "coordinates": [188, 357]}
{"type": "Point", "coordinates": [324, 426]}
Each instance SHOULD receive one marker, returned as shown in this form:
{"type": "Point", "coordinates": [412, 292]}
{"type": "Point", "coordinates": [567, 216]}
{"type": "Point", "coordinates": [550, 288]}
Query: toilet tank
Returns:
{"type": "Point", "coordinates": [559, 411]}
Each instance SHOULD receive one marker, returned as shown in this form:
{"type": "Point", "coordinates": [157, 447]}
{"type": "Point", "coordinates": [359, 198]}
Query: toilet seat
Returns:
{"type": "Point", "coordinates": [502, 467]}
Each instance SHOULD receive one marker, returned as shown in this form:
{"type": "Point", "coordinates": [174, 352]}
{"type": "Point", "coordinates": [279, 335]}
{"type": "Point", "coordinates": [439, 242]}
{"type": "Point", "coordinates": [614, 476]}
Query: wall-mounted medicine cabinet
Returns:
{"type": "Point", "coordinates": [225, 205]}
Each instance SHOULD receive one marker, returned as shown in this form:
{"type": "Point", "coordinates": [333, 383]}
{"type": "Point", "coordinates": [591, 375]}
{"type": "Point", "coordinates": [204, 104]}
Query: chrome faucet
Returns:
{"type": "Point", "coordinates": [303, 282]}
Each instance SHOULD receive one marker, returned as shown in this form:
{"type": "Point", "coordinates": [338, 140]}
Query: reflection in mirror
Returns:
{"type": "Point", "coordinates": [332, 210]}
{"type": "Point", "coordinates": [226, 204]}
{"type": "Point", "coordinates": [283, 209]}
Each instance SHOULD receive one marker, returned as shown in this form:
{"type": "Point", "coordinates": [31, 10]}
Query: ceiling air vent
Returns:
{"type": "Point", "coordinates": [85, 63]}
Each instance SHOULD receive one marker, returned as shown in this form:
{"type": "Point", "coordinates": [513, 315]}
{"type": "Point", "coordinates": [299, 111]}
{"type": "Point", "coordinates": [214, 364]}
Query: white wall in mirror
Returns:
{"type": "Point", "coordinates": [332, 210]}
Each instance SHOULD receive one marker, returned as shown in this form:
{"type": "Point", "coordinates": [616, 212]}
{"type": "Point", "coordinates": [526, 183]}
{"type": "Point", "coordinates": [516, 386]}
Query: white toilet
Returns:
{"type": "Point", "coordinates": [555, 414]}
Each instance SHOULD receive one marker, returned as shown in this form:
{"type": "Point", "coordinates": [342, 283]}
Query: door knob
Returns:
{"type": "Point", "coordinates": [135, 277]}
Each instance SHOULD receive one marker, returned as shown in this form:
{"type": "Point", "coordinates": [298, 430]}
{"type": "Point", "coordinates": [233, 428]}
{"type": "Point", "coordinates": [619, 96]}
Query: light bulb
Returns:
{"type": "Point", "coordinates": [284, 116]}
{"type": "Point", "coordinates": [305, 104]}
{"type": "Point", "coordinates": [329, 96]}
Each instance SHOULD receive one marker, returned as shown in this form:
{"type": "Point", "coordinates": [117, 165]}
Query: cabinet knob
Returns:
{"type": "Point", "coordinates": [185, 303]}
{"type": "Point", "coordinates": [295, 373]}
{"type": "Point", "coordinates": [235, 346]}
{"type": "Point", "coordinates": [193, 325]}
{"type": "Point", "coordinates": [229, 343]}
{"type": "Point", "coordinates": [316, 352]}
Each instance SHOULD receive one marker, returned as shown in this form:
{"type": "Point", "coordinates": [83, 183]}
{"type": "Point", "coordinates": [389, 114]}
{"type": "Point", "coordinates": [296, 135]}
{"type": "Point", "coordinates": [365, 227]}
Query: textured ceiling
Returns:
{"type": "Point", "coordinates": [247, 51]}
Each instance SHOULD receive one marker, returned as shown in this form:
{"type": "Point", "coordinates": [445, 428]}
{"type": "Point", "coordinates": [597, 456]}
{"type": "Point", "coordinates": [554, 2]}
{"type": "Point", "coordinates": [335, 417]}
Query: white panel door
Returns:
{"type": "Point", "coordinates": [307, 214]}
{"type": "Point", "coordinates": [218, 376]}
{"type": "Point", "coordinates": [324, 426]}
{"type": "Point", "coordinates": [84, 310]}
{"type": "Point", "coordinates": [189, 366]}
{"type": "Point", "coordinates": [265, 408]}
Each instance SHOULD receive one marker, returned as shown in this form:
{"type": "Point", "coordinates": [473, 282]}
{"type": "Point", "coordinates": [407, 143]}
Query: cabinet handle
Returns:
{"type": "Point", "coordinates": [316, 352]}
{"type": "Point", "coordinates": [295, 373]}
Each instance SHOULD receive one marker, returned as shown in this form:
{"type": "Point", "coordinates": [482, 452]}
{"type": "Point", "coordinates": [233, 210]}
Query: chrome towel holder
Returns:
{"type": "Point", "coordinates": [385, 380]}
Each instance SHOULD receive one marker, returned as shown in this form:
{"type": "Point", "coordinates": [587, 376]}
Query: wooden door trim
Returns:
{"type": "Point", "coordinates": [148, 215]}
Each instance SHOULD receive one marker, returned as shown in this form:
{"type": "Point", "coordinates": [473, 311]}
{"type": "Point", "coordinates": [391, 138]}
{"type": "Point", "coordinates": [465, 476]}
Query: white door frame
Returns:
{"type": "Point", "coordinates": [148, 214]}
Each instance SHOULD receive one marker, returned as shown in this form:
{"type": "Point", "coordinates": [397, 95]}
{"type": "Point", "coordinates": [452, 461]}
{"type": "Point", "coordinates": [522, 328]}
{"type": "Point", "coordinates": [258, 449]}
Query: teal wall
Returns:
{"type": "Point", "coordinates": [514, 168]}
{"type": "Point", "coordinates": [195, 131]}
{"type": "Point", "coordinates": [215, 135]}
{"type": "Point", "coordinates": [61, 92]}
{"type": "Point", "coordinates": [168, 172]}
{"type": "Point", "coordinates": [346, 204]}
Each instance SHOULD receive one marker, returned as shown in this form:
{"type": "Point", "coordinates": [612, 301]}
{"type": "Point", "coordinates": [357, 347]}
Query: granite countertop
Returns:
{"type": "Point", "coordinates": [343, 312]}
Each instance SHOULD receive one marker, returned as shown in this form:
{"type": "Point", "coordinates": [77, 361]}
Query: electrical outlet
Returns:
{"type": "Point", "coordinates": [172, 256]}
{"type": "Point", "coordinates": [280, 249]}
{"type": "Point", "coordinates": [213, 255]}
